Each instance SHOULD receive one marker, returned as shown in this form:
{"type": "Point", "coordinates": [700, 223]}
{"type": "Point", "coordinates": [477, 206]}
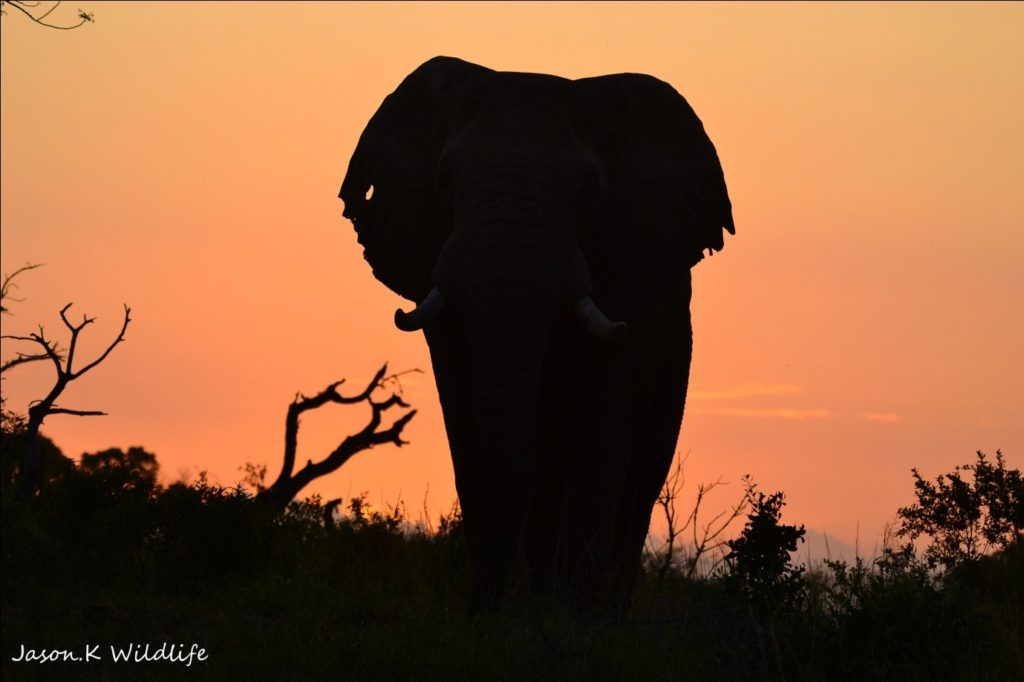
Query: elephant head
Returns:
{"type": "Point", "coordinates": [546, 227]}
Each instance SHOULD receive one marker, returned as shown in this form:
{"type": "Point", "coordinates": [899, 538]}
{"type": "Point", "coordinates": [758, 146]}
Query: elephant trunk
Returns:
{"type": "Point", "coordinates": [511, 267]}
{"type": "Point", "coordinates": [506, 395]}
{"type": "Point", "coordinates": [508, 299]}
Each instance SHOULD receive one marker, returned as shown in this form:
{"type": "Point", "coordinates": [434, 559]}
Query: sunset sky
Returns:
{"type": "Point", "coordinates": [866, 318]}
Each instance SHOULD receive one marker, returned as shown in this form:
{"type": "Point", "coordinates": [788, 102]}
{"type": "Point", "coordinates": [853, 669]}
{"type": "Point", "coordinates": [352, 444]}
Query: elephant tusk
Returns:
{"type": "Point", "coordinates": [422, 315]}
{"type": "Point", "coordinates": [596, 322]}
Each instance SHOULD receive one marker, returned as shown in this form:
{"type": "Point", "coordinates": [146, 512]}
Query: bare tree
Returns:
{"type": "Point", "coordinates": [31, 475]}
{"type": "Point", "coordinates": [8, 285]}
{"type": "Point", "coordinates": [39, 12]}
{"type": "Point", "coordinates": [705, 537]}
{"type": "Point", "coordinates": [6, 299]}
{"type": "Point", "coordinates": [289, 483]}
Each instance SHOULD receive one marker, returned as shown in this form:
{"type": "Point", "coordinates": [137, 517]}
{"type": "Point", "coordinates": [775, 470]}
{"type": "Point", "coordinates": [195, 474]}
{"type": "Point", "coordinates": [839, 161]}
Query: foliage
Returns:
{"type": "Point", "coordinates": [966, 518]}
{"type": "Point", "coordinates": [363, 516]}
{"type": "Point", "coordinates": [12, 446]}
{"type": "Point", "coordinates": [254, 476]}
{"type": "Point", "coordinates": [759, 560]}
{"type": "Point", "coordinates": [450, 524]}
{"type": "Point", "coordinates": [133, 469]}
{"type": "Point", "coordinates": [370, 595]}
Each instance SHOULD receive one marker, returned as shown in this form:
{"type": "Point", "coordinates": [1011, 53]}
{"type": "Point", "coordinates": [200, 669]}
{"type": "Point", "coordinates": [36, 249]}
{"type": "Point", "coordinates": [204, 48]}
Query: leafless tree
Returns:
{"type": "Point", "coordinates": [31, 475]}
{"type": "Point", "coordinates": [38, 12]}
{"type": "Point", "coordinates": [289, 482]}
{"type": "Point", "coordinates": [705, 538]}
{"type": "Point", "coordinates": [6, 298]}
{"type": "Point", "coordinates": [8, 285]}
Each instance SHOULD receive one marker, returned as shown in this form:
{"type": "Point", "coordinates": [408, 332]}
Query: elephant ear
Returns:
{"type": "Point", "coordinates": [389, 190]}
{"type": "Point", "coordinates": [665, 194]}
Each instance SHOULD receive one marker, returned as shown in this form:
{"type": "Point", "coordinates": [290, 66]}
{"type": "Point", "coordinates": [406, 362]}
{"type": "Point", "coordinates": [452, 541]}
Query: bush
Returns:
{"type": "Point", "coordinates": [134, 469]}
{"type": "Point", "coordinates": [965, 519]}
{"type": "Point", "coordinates": [759, 560]}
{"type": "Point", "coordinates": [370, 596]}
{"type": "Point", "coordinates": [12, 448]}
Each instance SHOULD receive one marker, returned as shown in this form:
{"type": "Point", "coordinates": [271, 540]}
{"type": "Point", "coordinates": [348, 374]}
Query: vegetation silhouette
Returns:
{"type": "Point", "coordinates": [12, 449]}
{"type": "Point", "coordinates": [31, 472]}
{"type": "Point", "coordinates": [702, 554]}
{"type": "Point", "coordinates": [289, 482]}
{"type": "Point", "coordinates": [39, 12]}
{"type": "Point", "coordinates": [965, 519]}
{"type": "Point", "coordinates": [124, 470]}
{"type": "Point", "coordinates": [371, 594]}
{"type": "Point", "coordinates": [760, 560]}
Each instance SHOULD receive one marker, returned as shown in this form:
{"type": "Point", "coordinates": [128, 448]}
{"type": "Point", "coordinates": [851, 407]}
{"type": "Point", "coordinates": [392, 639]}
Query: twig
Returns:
{"type": "Point", "coordinates": [8, 284]}
{"type": "Point", "coordinates": [21, 6]}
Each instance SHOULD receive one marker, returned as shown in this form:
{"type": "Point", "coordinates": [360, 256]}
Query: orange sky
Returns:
{"type": "Point", "coordinates": [186, 158]}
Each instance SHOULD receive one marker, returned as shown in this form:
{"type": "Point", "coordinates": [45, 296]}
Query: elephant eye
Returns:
{"type": "Point", "coordinates": [369, 193]}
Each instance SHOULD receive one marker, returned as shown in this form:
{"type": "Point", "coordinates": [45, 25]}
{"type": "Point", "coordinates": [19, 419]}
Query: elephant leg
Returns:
{"type": "Point", "coordinates": [545, 518]}
{"type": "Point", "coordinates": [586, 437]}
{"type": "Point", "coordinates": [654, 440]}
{"type": "Point", "coordinates": [567, 466]}
{"type": "Point", "coordinates": [492, 548]}
{"type": "Point", "coordinates": [448, 354]}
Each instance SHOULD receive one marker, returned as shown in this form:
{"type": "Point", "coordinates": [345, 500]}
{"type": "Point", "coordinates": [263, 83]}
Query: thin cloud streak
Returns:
{"type": "Point", "coordinates": [885, 417]}
{"type": "Point", "coordinates": [745, 391]}
{"type": "Point", "coordinates": [765, 412]}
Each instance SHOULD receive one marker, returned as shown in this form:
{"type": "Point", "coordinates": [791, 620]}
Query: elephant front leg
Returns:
{"type": "Point", "coordinates": [449, 355]}
{"type": "Point", "coordinates": [652, 448]}
{"type": "Point", "coordinates": [582, 468]}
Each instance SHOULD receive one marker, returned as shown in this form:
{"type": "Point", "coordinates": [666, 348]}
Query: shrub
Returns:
{"type": "Point", "coordinates": [965, 519]}
{"type": "Point", "coordinates": [759, 559]}
{"type": "Point", "coordinates": [131, 470]}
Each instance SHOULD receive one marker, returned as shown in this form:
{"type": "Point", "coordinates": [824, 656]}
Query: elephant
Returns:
{"type": "Point", "coordinates": [546, 227]}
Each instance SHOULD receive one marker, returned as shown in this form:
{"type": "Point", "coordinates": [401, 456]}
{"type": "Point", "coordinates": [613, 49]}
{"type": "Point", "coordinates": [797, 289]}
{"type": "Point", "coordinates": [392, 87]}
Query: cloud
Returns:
{"type": "Point", "coordinates": [798, 414]}
{"type": "Point", "coordinates": [698, 402]}
{"type": "Point", "coordinates": [887, 417]}
{"type": "Point", "coordinates": [745, 391]}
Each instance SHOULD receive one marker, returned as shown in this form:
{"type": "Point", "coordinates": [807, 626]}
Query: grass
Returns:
{"type": "Point", "coordinates": [111, 561]}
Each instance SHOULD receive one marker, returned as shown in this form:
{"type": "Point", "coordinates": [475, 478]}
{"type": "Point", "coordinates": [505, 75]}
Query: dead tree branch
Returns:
{"type": "Point", "coordinates": [28, 9]}
{"type": "Point", "coordinates": [289, 482]}
{"type": "Point", "coordinates": [8, 285]}
{"type": "Point", "coordinates": [706, 538]}
{"type": "Point", "coordinates": [6, 289]}
{"type": "Point", "coordinates": [31, 474]}
{"type": "Point", "coordinates": [21, 359]}
{"type": "Point", "coordinates": [666, 500]}
{"type": "Point", "coordinates": [712, 534]}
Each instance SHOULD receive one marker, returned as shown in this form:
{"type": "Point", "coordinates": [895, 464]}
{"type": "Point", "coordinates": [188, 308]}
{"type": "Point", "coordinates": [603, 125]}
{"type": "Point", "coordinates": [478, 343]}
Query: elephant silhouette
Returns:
{"type": "Point", "coordinates": [547, 228]}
